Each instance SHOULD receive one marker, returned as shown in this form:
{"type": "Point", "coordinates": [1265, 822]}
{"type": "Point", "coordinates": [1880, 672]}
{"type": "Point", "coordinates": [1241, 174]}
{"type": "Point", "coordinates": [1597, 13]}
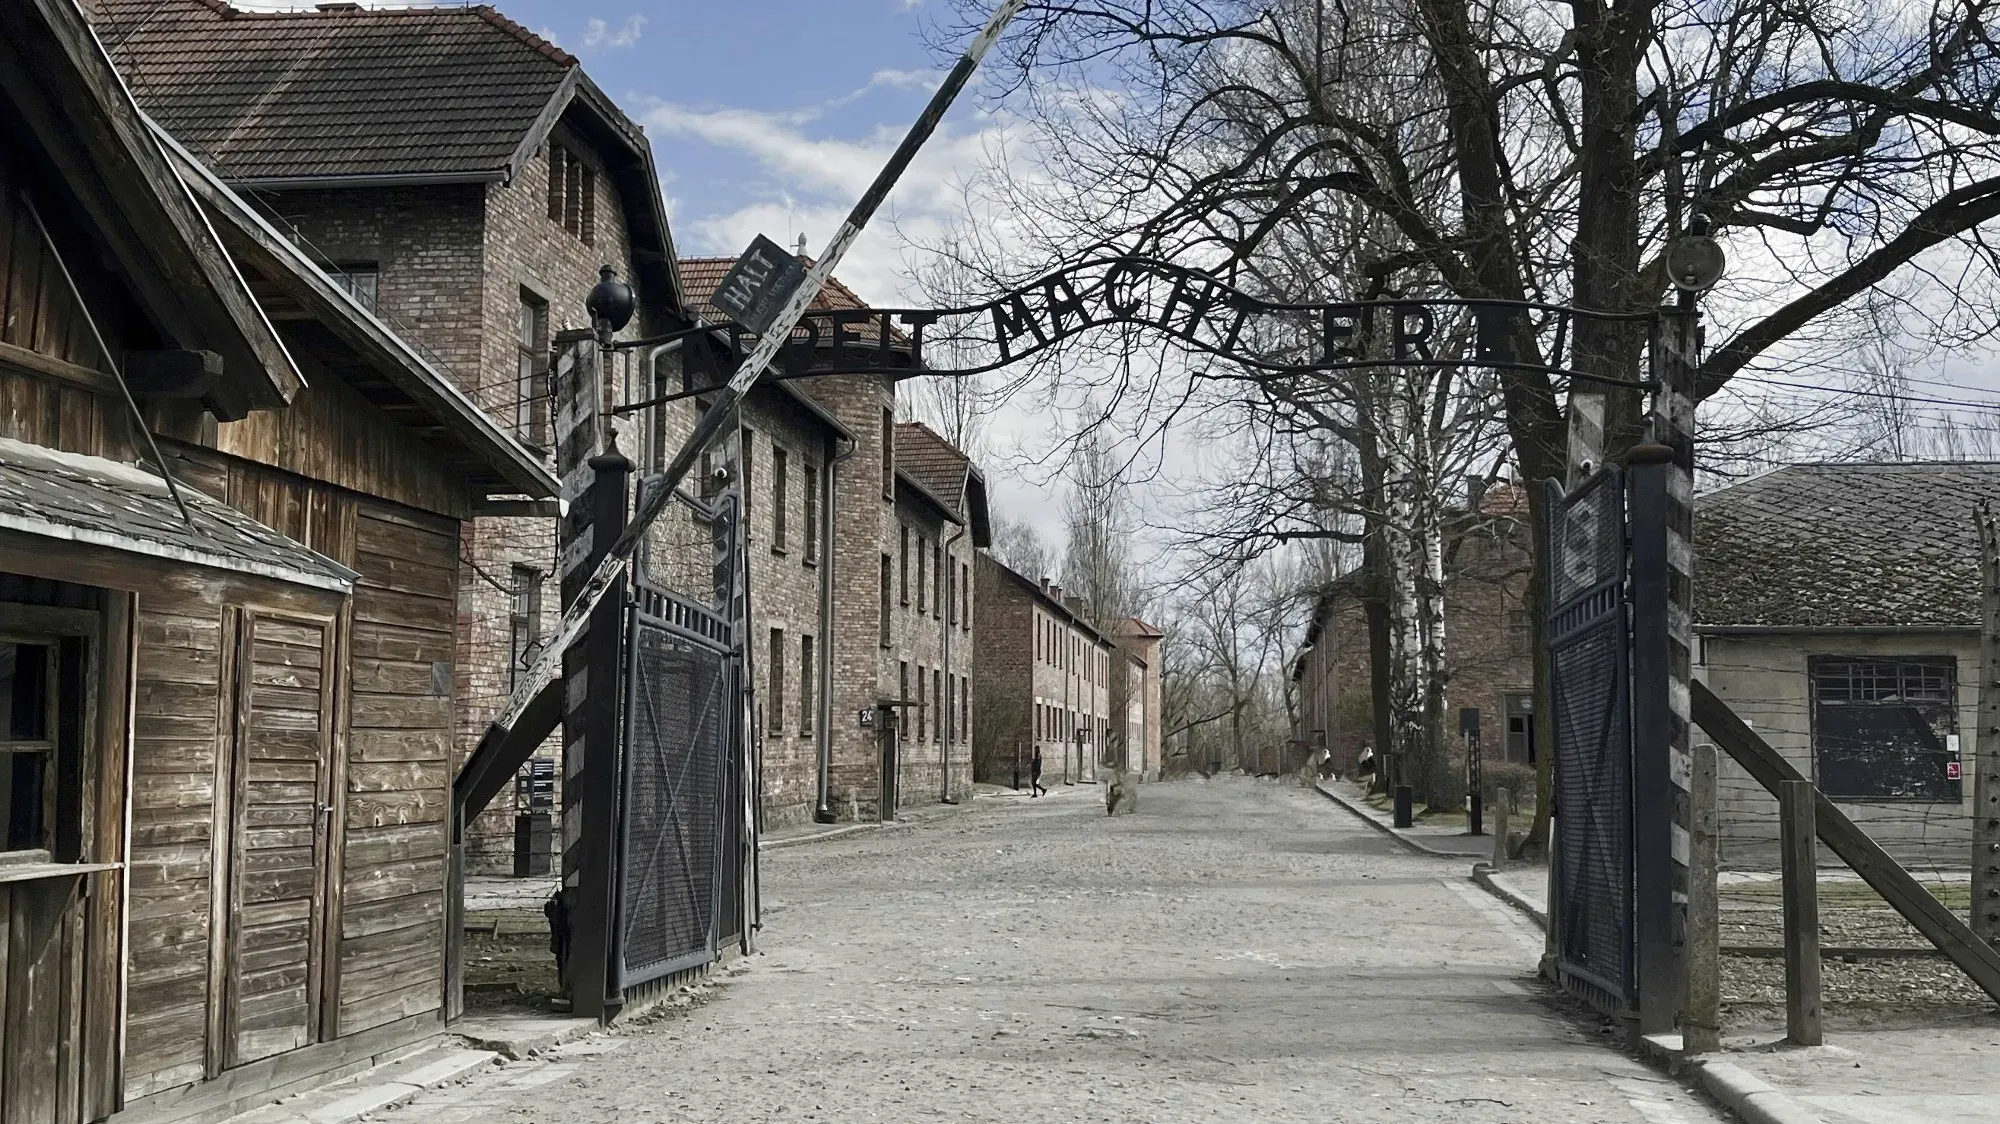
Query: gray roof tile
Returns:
{"type": "Point", "coordinates": [100, 502]}
{"type": "Point", "coordinates": [270, 95]}
{"type": "Point", "coordinates": [1831, 545]}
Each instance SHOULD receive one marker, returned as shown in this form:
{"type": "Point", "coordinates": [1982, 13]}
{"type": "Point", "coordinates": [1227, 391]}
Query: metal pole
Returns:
{"type": "Point", "coordinates": [1475, 771]}
{"type": "Point", "coordinates": [612, 564]}
{"type": "Point", "coordinates": [1986, 761]}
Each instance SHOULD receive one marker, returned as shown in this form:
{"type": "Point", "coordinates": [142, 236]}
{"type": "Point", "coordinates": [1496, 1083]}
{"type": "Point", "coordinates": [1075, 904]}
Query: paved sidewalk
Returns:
{"type": "Point", "coordinates": [1444, 842]}
{"type": "Point", "coordinates": [1947, 1073]}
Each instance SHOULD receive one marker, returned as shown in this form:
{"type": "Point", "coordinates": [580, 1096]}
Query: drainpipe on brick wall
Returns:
{"type": "Point", "coordinates": [950, 695]}
{"type": "Point", "coordinates": [823, 805]}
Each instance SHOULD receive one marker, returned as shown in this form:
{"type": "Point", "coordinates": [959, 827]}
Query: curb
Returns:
{"type": "Point", "coordinates": [1391, 832]}
{"type": "Point", "coordinates": [830, 833]}
{"type": "Point", "coordinates": [533, 1036]}
{"type": "Point", "coordinates": [1483, 875]}
{"type": "Point", "coordinates": [1750, 1097]}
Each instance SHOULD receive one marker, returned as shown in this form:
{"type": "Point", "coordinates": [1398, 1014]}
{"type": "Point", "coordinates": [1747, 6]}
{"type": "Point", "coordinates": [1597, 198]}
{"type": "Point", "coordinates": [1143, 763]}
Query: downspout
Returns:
{"type": "Point", "coordinates": [823, 806]}
{"type": "Point", "coordinates": [957, 597]}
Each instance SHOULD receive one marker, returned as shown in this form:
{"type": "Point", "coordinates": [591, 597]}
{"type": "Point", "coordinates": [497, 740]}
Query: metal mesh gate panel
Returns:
{"type": "Point", "coordinates": [671, 814]}
{"type": "Point", "coordinates": [1589, 683]}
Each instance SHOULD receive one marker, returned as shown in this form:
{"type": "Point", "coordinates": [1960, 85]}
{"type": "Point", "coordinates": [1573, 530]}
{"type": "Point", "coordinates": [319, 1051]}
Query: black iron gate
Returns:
{"type": "Point", "coordinates": [679, 805]}
{"type": "Point", "coordinates": [1590, 646]}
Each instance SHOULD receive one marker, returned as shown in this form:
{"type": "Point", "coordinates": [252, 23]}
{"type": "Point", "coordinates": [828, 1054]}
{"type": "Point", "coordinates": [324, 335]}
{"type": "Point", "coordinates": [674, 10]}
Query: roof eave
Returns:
{"type": "Point", "coordinates": [181, 272]}
{"type": "Point", "coordinates": [394, 357]}
{"type": "Point", "coordinates": [366, 179]}
{"type": "Point", "coordinates": [945, 509]}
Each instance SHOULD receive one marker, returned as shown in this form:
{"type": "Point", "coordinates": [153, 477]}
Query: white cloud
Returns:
{"type": "Point", "coordinates": [597, 33]}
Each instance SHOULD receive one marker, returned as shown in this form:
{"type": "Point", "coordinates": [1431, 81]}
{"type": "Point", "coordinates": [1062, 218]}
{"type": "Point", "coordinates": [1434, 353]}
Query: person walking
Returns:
{"type": "Point", "coordinates": [1035, 775]}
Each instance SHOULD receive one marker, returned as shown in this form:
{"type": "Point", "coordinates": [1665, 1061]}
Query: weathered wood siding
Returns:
{"type": "Point", "coordinates": [48, 359]}
{"type": "Point", "coordinates": [398, 772]}
{"type": "Point", "coordinates": [185, 771]}
{"type": "Point", "coordinates": [283, 754]}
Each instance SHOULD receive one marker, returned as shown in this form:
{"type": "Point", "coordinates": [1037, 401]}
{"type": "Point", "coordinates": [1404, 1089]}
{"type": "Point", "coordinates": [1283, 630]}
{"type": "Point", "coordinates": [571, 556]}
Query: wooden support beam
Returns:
{"type": "Point", "coordinates": [173, 373]}
{"type": "Point", "coordinates": [1800, 865]}
{"type": "Point", "coordinates": [1939, 925]}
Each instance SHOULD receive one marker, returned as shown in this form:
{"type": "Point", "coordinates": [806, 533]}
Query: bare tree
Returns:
{"type": "Point", "coordinates": [1097, 518]}
{"type": "Point", "coordinates": [1831, 146]}
{"type": "Point", "coordinates": [1021, 548]}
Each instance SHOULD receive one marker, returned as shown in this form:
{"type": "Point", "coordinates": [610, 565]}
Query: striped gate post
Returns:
{"type": "Point", "coordinates": [1675, 354]}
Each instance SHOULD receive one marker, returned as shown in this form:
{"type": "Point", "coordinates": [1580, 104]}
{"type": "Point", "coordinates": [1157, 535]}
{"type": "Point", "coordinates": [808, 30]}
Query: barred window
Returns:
{"type": "Point", "coordinates": [1886, 728]}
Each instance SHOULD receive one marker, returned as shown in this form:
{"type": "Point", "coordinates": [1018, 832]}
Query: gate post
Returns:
{"type": "Point", "coordinates": [1652, 812]}
{"type": "Point", "coordinates": [592, 686]}
{"type": "Point", "coordinates": [1675, 351]}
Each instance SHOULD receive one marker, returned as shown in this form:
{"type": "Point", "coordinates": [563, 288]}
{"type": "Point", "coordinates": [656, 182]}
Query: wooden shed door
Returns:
{"type": "Point", "coordinates": [281, 816]}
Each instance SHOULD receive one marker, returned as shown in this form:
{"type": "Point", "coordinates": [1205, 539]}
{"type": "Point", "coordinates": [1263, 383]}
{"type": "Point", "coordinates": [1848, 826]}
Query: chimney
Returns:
{"type": "Point", "coordinates": [1055, 591]}
{"type": "Point", "coordinates": [1045, 586]}
{"type": "Point", "coordinates": [1077, 606]}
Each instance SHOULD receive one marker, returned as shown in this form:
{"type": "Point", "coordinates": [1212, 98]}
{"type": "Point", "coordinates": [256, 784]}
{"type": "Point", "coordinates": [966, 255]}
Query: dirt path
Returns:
{"type": "Point", "coordinates": [1235, 952]}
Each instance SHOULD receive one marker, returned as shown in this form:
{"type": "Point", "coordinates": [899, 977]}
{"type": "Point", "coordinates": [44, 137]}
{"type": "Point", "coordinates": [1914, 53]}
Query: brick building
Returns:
{"type": "Point", "coordinates": [466, 180]}
{"type": "Point", "coordinates": [873, 617]}
{"type": "Point", "coordinates": [1488, 653]}
{"type": "Point", "coordinates": [1136, 694]}
{"type": "Point", "coordinates": [1044, 678]}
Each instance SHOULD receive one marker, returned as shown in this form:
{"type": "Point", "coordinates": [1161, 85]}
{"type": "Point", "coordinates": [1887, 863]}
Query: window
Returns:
{"type": "Point", "coordinates": [524, 623]}
{"type": "Point", "coordinates": [812, 512]}
{"type": "Point", "coordinates": [951, 593]}
{"type": "Point", "coordinates": [747, 446]}
{"type": "Point", "coordinates": [888, 454]}
{"type": "Point", "coordinates": [806, 678]}
{"type": "Point", "coordinates": [1520, 728]}
{"type": "Point", "coordinates": [358, 280]}
{"type": "Point", "coordinates": [1519, 635]}
{"type": "Point", "coordinates": [531, 389]}
{"type": "Point", "coordinates": [937, 578]}
{"type": "Point", "coordinates": [887, 564]}
{"type": "Point", "coordinates": [923, 705]}
{"type": "Point", "coordinates": [775, 706]}
{"type": "Point", "coordinates": [1038, 636]}
{"type": "Point", "coordinates": [1885, 728]}
{"type": "Point", "coordinates": [778, 498]}
{"type": "Point", "coordinates": [965, 595]}
{"type": "Point", "coordinates": [903, 696]}
{"type": "Point", "coordinates": [28, 729]}
{"type": "Point", "coordinates": [922, 555]}
{"type": "Point", "coordinates": [938, 695]}
{"type": "Point", "coordinates": [903, 575]}
{"type": "Point", "coordinates": [964, 708]}
{"type": "Point", "coordinates": [572, 194]}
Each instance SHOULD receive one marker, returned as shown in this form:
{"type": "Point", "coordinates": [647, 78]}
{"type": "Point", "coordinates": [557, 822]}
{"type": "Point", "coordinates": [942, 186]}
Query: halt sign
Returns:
{"type": "Point", "coordinates": [756, 286]}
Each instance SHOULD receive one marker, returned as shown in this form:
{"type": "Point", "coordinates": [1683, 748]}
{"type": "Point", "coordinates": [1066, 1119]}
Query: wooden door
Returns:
{"type": "Point", "coordinates": [280, 815]}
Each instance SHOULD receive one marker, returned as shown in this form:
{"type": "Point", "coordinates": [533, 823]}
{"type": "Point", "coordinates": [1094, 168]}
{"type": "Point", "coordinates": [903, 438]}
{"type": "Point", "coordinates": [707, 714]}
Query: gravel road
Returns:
{"type": "Point", "coordinates": [1237, 951]}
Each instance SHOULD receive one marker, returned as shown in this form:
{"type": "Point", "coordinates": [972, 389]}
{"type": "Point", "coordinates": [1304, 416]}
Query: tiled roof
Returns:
{"type": "Point", "coordinates": [934, 463]}
{"type": "Point", "coordinates": [291, 95]}
{"type": "Point", "coordinates": [703, 276]}
{"type": "Point", "coordinates": [1831, 545]}
{"type": "Point", "coordinates": [99, 502]}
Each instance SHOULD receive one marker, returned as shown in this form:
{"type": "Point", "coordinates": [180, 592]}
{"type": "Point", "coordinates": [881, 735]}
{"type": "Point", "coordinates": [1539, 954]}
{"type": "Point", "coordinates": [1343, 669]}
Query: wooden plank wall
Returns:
{"type": "Point", "coordinates": [42, 331]}
{"type": "Point", "coordinates": [178, 728]}
{"type": "Point", "coordinates": [398, 771]}
{"type": "Point", "coordinates": [282, 755]}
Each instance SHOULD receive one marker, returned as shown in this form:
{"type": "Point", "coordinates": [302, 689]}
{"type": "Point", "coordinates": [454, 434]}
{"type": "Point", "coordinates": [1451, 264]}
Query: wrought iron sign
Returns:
{"type": "Point", "coordinates": [1200, 310]}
